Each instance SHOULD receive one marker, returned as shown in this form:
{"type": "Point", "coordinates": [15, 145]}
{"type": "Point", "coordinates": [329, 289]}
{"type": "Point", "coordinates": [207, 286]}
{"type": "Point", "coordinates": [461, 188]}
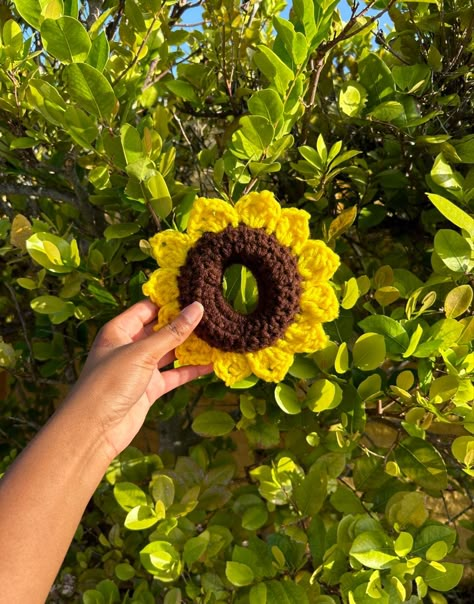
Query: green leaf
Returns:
{"type": "Point", "coordinates": [273, 68]}
{"type": "Point", "coordinates": [195, 547]}
{"type": "Point", "coordinates": [101, 294]}
{"type": "Point", "coordinates": [182, 89]}
{"type": "Point", "coordinates": [458, 301]}
{"type": "Point", "coordinates": [387, 112]}
{"type": "Point", "coordinates": [403, 544]}
{"type": "Point", "coordinates": [80, 127]}
{"type": "Point", "coordinates": [131, 144]}
{"type": "Point", "coordinates": [128, 495]}
{"type": "Point", "coordinates": [323, 395]}
{"type": "Point", "coordinates": [303, 368]}
{"type": "Point", "coordinates": [239, 574]}
{"type": "Point", "coordinates": [430, 534]}
{"type": "Point", "coordinates": [161, 560]}
{"type": "Point", "coordinates": [396, 338]}
{"type": "Point", "coordinates": [351, 293]}
{"type": "Point", "coordinates": [162, 489]}
{"type": "Point", "coordinates": [53, 253]}
{"type": "Point", "coordinates": [343, 221]}
{"type": "Point", "coordinates": [341, 363]}
{"type": "Point", "coordinates": [444, 578]}
{"type": "Point", "coordinates": [99, 52]}
{"type": "Point", "coordinates": [140, 518]}
{"type": "Point", "coordinates": [120, 231]}
{"type": "Point", "coordinates": [213, 423]}
{"type": "Point", "coordinates": [422, 463]}
{"type": "Point", "coordinates": [451, 211]}
{"type": "Point", "coordinates": [66, 39]}
{"type": "Point", "coordinates": [373, 550]}
{"type": "Point", "coordinates": [159, 195]}
{"type": "Point", "coordinates": [352, 98]}
{"type": "Point", "coordinates": [369, 351]}
{"type": "Point", "coordinates": [376, 78]}
{"type": "Point", "coordinates": [124, 571]}
{"type": "Point", "coordinates": [411, 78]}
{"type": "Point", "coordinates": [454, 250]}
{"type": "Point", "coordinates": [266, 103]}
{"type": "Point", "coordinates": [254, 517]}
{"type": "Point", "coordinates": [311, 493]}
{"type": "Point", "coordinates": [32, 11]}
{"type": "Point", "coordinates": [287, 399]}
{"type": "Point", "coordinates": [90, 89]}
{"type": "Point", "coordinates": [46, 99]}
{"type": "Point", "coordinates": [444, 176]}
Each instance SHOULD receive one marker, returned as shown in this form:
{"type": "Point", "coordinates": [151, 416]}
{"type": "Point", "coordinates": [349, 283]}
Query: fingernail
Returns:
{"type": "Point", "coordinates": [193, 312]}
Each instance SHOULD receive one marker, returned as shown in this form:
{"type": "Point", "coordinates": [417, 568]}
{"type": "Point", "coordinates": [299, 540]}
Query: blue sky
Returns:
{"type": "Point", "coordinates": [193, 15]}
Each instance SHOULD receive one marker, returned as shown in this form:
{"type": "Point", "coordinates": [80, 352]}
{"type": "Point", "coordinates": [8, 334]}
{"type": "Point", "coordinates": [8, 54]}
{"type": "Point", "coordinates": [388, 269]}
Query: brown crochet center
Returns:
{"type": "Point", "coordinates": [278, 281]}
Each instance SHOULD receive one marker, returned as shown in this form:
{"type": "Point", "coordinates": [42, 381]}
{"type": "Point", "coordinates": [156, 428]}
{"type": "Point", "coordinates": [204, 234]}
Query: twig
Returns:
{"type": "Point", "coordinates": [135, 58]}
{"type": "Point", "coordinates": [31, 361]}
{"type": "Point", "coordinates": [150, 82]}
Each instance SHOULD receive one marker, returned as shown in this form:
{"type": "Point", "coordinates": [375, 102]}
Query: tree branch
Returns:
{"type": "Point", "coordinates": [10, 188]}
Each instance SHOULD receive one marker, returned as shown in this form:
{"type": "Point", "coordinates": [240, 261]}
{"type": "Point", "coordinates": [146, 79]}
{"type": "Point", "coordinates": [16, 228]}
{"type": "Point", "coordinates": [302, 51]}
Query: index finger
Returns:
{"type": "Point", "coordinates": [133, 320]}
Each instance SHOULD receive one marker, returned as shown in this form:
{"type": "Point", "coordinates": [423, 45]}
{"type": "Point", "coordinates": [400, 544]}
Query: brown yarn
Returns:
{"type": "Point", "coordinates": [278, 281]}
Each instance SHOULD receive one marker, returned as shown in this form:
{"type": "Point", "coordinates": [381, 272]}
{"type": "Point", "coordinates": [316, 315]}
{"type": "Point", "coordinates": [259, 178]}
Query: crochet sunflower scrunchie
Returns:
{"type": "Point", "coordinates": [291, 271]}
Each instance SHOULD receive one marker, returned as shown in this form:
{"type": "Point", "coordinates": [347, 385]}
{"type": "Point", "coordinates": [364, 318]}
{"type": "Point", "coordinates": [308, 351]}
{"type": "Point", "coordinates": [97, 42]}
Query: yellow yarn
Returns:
{"type": "Point", "coordinates": [319, 303]}
{"type": "Point", "coordinates": [162, 287]}
{"type": "Point", "coordinates": [259, 211]}
{"type": "Point", "coordinates": [166, 314]}
{"type": "Point", "coordinates": [212, 215]}
{"type": "Point", "coordinates": [317, 262]}
{"type": "Point", "coordinates": [292, 229]}
{"type": "Point", "coordinates": [231, 367]}
{"type": "Point", "coordinates": [195, 351]}
{"type": "Point", "coordinates": [304, 336]}
{"type": "Point", "coordinates": [170, 248]}
{"type": "Point", "coordinates": [270, 364]}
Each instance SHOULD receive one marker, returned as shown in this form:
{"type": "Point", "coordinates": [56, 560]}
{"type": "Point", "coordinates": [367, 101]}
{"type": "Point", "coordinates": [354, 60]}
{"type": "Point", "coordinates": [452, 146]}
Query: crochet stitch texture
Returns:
{"type": "Point", "coordinates": [291, 271]}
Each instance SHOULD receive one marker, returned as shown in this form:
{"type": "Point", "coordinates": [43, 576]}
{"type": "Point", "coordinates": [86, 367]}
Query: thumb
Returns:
{"type": "Point", "coordinates": [175, 333]}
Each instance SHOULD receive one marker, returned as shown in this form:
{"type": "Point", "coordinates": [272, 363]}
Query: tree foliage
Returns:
{"type": "Point", "coordinates": [349, 481]}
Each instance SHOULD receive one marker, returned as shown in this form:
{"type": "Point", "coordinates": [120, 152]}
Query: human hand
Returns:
{"type": "Point", "coordinates": [122, 379]}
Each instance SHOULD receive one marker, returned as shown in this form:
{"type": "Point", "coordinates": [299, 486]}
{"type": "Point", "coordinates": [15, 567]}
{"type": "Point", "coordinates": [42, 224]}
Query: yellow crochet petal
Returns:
{"type": "Point", "coordinates": [231, 367]}
{"type": "Point", "coordinates": [259, 211]}
{"type": "Point", "coordinates": [212, 215]}
{"type": "Point", "coordinates": [292, 229]}
{"type": "Point", "coordinates": [170, 248]}
{"type": "Point", "coordinates": [317, 262]}
{"type": "Point", "coordinates": [166, 314]}
{"type": "Point", "coordinates": [270, 364]}
{"type": "Point", "coordinates": [162, 286]}
{"type": "Point", "coordinates": [319, 304]}
{"type": "Point", "coordinates": [304, 336]}
{"type": "Point", "coordinates": [194, 351]}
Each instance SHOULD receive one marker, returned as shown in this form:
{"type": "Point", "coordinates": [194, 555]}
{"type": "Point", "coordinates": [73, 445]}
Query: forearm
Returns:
{"type": "Point", "coordinates": [42, 499]}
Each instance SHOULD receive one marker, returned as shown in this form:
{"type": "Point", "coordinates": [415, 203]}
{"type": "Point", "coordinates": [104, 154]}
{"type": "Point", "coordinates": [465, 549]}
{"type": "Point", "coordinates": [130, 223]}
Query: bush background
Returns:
{"type": "Point", "coordinates": [351, 481]}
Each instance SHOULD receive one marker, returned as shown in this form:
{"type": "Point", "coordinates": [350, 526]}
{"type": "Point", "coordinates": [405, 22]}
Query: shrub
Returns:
{"type": "Point", "coordinates": [348, 481]}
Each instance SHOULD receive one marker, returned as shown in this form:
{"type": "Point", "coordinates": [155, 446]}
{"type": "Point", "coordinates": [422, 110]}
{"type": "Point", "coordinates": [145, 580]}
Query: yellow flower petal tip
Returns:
{"type": "Point", "coordinates": [231, 367]}
{"type": "Point", "coordinates": [270, 364]}
{"type": "Point", "coordinates": [162, 287]}
{"type": "Point", "coordinates": [259, 211]}
{"type": "Point", "coordinates": [291, 270]}
{"type": "Point", "coordinates": [319, 303]}
{"type": "Point", "coordinates": [292, 229]}
{"type": "Point", "coordinates": [170, 248]}
{"type": "Point", "coordinates": [317, 261]}
{"type": "Point", "coordinates": [210, 215]}
{"type": "Point", "coordinates": [195, 351]}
